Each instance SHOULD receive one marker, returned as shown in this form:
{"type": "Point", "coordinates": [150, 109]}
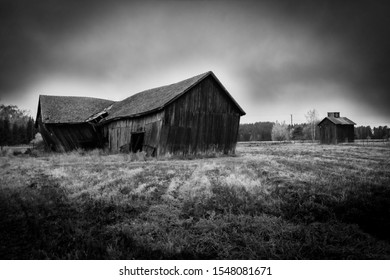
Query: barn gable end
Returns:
{"type": "Point", "coordinates": [203, 120]}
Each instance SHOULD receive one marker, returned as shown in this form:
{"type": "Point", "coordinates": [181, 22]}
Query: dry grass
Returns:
{"type": "Point", "coordinates": [290, 201]}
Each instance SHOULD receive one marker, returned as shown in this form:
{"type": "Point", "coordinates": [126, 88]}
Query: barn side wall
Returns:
{"type": "Point", "coordinates": [202, 120]}
{"type": "Point", "coordinates": [345, 133]}
{"type": "Point", "coordinates": [118, 133]}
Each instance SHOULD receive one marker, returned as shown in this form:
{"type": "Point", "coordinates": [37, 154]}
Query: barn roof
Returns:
{"type": "Point", "coordinates": [155, 99]}
{"type": "Point", "coordinates": [73, 109]}
{"type": "Point", "coordinates": [69, 109]}
{"type": "Point", "coordinates": [340, 120]}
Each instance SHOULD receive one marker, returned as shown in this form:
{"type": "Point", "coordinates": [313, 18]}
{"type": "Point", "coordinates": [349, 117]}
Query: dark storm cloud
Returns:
{"type": "Point", "coordinates": [267, 49]}
{"type": "Point", "coordinates": [362, 29]}
{"type": "Point", "coordinates": [28, 31]}
{"type": "Point", "coordinates": [348, 46]}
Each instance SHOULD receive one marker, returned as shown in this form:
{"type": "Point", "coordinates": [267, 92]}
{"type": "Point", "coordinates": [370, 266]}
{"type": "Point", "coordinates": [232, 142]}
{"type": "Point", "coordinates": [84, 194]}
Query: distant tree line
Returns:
{"type": "Point", "coordinates": [16, 126]}
{"type": "Point", "coordinates": [270, 131]}
{"type": "Point", "coordinates": [365, 132]}
{"type": "Point", "coordinates": [260, 131]}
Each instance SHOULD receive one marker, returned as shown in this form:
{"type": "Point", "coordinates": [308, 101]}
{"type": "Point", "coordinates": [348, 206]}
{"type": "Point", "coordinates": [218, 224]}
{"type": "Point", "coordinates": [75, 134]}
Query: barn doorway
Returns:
{"type": "Point", "coordinates": [137, 141]}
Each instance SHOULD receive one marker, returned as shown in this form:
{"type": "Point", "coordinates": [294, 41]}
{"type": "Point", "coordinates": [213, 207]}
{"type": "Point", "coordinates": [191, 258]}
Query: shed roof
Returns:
{"type": "Point", "coordinates": [69, 109]}
{"type": "Point", "coordinates": [155, 99]}
{"type": "Point", "coordinates": [340, 120]}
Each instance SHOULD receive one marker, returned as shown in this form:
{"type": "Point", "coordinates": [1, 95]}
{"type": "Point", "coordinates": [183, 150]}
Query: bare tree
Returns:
{"type": "Point", "coordinates": [280, 132]}
{"type": "Point", "coordinates": [312, 119]}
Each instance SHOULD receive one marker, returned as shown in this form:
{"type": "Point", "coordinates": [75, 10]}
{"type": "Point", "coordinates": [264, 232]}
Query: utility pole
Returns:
{"type": "Point", "coordinates": [291, 120]}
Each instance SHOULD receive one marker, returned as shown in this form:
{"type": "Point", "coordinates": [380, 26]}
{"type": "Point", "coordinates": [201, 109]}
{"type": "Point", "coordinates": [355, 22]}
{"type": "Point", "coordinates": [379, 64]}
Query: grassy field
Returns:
{"type": "Point", "coordinates": [287, 201]}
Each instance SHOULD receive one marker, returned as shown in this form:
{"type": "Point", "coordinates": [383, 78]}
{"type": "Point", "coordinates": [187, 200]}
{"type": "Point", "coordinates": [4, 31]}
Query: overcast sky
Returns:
{"type": "Point", "coordinates": [276, 58]}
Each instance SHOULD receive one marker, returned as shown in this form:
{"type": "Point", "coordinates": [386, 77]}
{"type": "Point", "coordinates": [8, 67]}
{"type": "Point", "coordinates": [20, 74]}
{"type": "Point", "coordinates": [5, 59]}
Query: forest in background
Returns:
{"type": "Point", "coordinates": [16, 126]}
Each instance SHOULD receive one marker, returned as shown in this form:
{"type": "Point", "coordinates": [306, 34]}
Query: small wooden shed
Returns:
{"type": "Point", "coordinates": [193, 116]}
{"type": "Point", "coordinates": [335, 129]}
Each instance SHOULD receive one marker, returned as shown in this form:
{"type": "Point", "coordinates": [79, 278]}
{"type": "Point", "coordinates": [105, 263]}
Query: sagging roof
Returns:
{"type": "Point", "coordinates": [340, 120]}
{"type": "Point", "coordinates": [73, 109]}
{"type": "Point", "coordinates": [69, 109]}
{"type": "Point", "coordinates": [155, 99]}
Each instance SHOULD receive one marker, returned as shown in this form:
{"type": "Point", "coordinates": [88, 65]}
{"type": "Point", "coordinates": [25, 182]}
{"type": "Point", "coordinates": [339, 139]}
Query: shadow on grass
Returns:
{"type": "Point", "coordinates": [367, 206]}
{"type": "Point", "coordinates": [40, 222]}
{"type": "Point", "coordinates": [35, 219]}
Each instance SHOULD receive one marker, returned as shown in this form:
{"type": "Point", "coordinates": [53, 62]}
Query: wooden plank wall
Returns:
{"type": "Point", "coordinates": [328, 132]}
{"type": "Point", "coordinates": [118, 132]}
{"type": "Point", "coordinates": [202, 120]}
{"type": "Point", "coordinates": [72, 136]}
{"type": "Point", "coordinates": [50, 140]}
{"type": "Point", "coordinates": [345, 133]}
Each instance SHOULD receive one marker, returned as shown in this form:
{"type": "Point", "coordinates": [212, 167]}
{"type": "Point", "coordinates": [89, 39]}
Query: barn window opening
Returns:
{"type": "Point", "coordinates": [137, 141]}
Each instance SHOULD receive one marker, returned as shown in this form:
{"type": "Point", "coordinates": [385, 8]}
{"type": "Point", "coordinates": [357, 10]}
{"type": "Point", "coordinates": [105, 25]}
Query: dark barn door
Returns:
{"type": "Point", "coordinates": [137, 141]}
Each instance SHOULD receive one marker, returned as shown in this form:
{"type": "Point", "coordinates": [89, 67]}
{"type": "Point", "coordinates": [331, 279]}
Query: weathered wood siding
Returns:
{"type": "Point", "coordinates": [328, 132]}
{"type": "Point", "coordinates": [50, 140]}
{"type": "Point", "coordinates": [118, 133]}
{"type": "Point", "coordinates": [66, 137]}
{"type": "Point", "coordinates": [203, 119]}
{"type": "Point", "coordinates": [345, 133]}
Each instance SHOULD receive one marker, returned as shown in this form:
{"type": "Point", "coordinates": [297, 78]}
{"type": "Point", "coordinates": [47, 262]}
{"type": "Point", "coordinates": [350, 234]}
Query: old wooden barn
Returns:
{"type": "Point", "coordinates": [193, 116]}
{"type": "Point", "coordinates": [335, 129]}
